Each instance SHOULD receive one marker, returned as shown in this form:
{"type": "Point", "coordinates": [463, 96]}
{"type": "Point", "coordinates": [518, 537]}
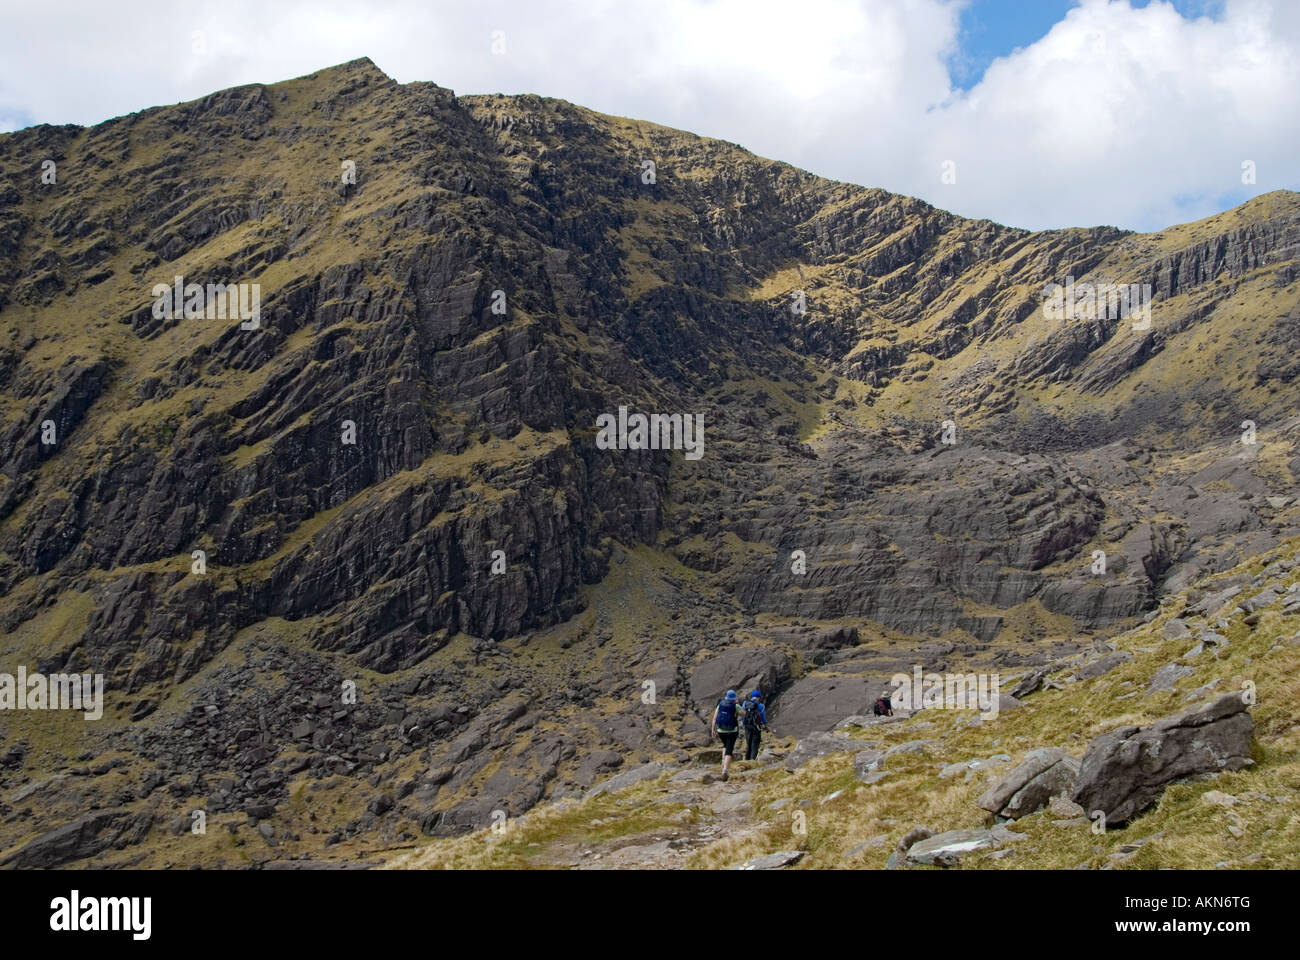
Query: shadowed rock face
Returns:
{"type": "Point", "coordinates": [79, 839]}
{"type": "Point", "coordinates": [474, 417]}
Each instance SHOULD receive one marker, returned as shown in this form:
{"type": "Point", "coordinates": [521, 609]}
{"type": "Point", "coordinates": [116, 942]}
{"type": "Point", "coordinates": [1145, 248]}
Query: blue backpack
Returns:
{"type": "Point", "coordinates": [726, 716]}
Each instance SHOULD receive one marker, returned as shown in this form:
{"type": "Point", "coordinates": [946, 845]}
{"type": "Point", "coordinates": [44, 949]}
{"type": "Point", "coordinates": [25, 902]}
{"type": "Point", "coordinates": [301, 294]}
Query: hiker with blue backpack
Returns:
{"type": "Point", "coordinates": [726, 725]}
{"type": "Point", "coordinates": [755, 721]}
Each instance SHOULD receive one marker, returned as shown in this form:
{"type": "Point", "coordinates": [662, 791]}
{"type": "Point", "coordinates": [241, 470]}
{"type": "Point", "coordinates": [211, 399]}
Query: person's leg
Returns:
{"type": "Point", "coordinates": [754, 744]}
{"type": "Point", "coordinates": [728, 745]}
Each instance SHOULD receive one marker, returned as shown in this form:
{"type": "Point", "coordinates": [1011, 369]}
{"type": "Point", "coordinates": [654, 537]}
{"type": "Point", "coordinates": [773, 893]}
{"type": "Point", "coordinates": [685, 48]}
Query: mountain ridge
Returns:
{"type": "Point", "coordinates": [475, 433]}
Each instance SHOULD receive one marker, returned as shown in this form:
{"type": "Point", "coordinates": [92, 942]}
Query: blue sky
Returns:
{"type": "Point", "coordinates": [995, 28]}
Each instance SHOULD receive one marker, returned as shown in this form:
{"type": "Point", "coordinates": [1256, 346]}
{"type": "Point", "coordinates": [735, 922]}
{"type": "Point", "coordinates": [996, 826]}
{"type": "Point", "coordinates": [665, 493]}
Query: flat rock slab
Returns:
{"type": "Point", "coordinates": [771, 861]}
{"type": "Point", "coordinates": [971, 767]}
{"type": "Point", "coordinates": [688, 776]}
{"type": "Point", "coordinates": [682, 797]}
{"type": "Point", "coordinates": [647, 771]}
{"type": "Point", "coordinates": [1213, 602]}
{"type": "Point", "coordinates": [912, 746]}
{"type": "Point", "coordinates": [741, 668]}
{"type": "Point", "coordinates": [819, 745]}
{"type": "Point", "coordinates": [945, 849]}
{"type": "Point", "coordinates": [874, 843]}
{"type": "Point", "coordinates": [732, 802]}
{"type": "Point", "coordinates": [1257, 602]}
{"type": "Point", "coordinates": [36, 786]}
{"type": "Point", "coordinates": [864, 721]}
{"type": "Point", "coordinates": [818, 702]}
{"type": "Point", "coordinates": [1167, 676]}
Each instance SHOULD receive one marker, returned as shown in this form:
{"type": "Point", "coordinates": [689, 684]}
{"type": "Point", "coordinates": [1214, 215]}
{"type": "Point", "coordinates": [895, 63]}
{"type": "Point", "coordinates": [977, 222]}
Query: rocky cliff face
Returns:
{"type": "Point", "coordinates": [394, 479]}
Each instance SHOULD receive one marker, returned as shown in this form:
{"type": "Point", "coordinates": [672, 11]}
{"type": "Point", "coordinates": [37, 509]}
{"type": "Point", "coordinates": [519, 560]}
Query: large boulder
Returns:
{"type": "Point", "coordinates": [740, 669]}
{"type": "Point", "coordinates": [1044, 774]}
{"type": "Point", "coordinates": [819, 701]}
{"type": "Point", "coordinates": [1125, 770]}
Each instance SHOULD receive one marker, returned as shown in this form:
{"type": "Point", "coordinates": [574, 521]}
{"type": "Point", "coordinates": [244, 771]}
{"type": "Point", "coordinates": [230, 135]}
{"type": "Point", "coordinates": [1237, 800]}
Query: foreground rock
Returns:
{"type": "Point", "coordinates": [945, 849]}
{"type": "Point", "coordinates": [771, 861]}
{"type": "Point", "coordinates": [1124, 771]}
{"type": "Point", "coordinates": [1046, 773]}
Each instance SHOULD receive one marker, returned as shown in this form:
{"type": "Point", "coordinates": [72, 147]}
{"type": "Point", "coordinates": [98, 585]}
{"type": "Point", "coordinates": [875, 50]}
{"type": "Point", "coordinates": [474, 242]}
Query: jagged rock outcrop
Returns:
{"type": "Point", "coordinates": [84, 837]}
{"type": "Point", "coordinates": [1045, 773]}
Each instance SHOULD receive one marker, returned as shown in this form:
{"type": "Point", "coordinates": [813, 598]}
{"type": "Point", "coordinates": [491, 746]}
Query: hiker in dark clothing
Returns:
{"type": "Point", "coordinates": [726, 724]}
{"type": "Point", "coordinates": [755, 723]}
{"type": "Point", "coordinates": [883, 707]}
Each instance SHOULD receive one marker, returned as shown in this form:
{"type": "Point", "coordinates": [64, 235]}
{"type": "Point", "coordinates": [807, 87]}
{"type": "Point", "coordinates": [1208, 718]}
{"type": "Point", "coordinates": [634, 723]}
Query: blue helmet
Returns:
{"type": "Point", "coordinates": [731, 695]}
{"type": "Point", "coordinates": [756, 695]}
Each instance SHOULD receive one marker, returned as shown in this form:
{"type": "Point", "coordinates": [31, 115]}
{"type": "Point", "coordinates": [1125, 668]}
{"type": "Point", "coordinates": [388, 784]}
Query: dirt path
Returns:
{"type": "Point", "coordinates": [714, 811]}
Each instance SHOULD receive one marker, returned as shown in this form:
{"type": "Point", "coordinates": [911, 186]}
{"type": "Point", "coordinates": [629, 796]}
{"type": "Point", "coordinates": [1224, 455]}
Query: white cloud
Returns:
{"type": "Point", "coordinates": [1133, 117]}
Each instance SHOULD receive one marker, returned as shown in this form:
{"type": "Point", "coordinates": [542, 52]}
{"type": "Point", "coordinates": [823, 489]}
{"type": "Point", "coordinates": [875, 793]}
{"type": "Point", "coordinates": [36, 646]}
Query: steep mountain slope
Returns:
{"type": "Point", "coordinates": [502, 272]}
